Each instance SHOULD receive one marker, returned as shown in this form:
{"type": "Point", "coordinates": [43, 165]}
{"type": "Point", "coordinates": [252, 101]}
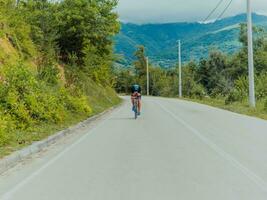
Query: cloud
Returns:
{"type": "Point", "coordinates": [160, 11]}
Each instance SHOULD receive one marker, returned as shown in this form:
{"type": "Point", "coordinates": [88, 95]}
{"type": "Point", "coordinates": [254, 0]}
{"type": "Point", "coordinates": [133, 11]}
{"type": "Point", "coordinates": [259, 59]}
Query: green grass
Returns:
{"type": "Point", "coordinates": [100, 99]}
{"type": "Point", "coordinates": [237, 107]}
{"type": "Point", "coordinates": [38, 132]}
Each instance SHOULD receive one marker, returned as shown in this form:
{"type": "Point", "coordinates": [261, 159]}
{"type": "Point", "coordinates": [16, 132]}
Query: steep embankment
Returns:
{"type": "Point", "coordinates": [32, 109]}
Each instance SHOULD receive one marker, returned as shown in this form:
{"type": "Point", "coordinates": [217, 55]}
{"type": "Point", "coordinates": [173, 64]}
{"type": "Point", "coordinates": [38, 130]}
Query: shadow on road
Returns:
{"type": "Point", "coordinates": [123, 118]}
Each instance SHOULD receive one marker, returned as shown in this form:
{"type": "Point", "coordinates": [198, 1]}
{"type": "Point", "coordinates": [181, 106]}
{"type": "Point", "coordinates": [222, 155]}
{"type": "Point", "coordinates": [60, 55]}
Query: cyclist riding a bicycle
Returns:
{"type": "Point", "coordinates": [136, 93]}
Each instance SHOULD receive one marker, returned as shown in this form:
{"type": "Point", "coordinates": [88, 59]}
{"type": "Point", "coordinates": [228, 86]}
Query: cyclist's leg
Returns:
{"type": "Point", "coordinates": [132, 99]}
{"type": "Point", "coordinates": [139, 103]}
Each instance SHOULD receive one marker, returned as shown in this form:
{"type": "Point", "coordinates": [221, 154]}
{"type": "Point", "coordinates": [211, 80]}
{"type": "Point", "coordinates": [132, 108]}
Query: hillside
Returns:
{"type": "Point", "coordinates": [46, 86]}
{"type": "Point", "coordinates": [27, 116]}
{"type": "Point", "coordinates": [197, 39]}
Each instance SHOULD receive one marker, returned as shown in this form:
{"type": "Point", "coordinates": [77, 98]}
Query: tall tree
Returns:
{"type": "Point", "coordinates": [140, 63]}
{"type": "Point", "coordinates": [84, 23]}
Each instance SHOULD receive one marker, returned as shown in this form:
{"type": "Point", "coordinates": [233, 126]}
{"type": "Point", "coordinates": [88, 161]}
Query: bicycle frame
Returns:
{"type": "Point", "coordinates": [136, 101]}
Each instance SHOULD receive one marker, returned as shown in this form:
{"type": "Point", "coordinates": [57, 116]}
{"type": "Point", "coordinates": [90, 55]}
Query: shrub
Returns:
{"type": "Point", "coordinates": [239, 92]}
{"type": "Point", "coordinates": [198, 91]}
{"type": "Point", "coordinates": [193, 89]}
{"type": "Point", "coordinates": [45, 105]}
{"type": "Point", "coordinates": [76, 102]}
{"type": "Point", "coordinates": [232, 97]}
{"type": "Point", "coordinates": [261, 86]}
{"type": "Point", "coordinates": [29, 101]}
{"type": "Point", "coordinates": [6, 127]}
{"type": "Point", "coordinates": [18, 82]}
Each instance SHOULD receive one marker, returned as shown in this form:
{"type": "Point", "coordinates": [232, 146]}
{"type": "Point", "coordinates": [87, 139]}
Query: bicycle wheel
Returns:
{"type": "Point", "coordinates": [135, 115]}
{"type": "Point", "coordinates": [135, 109]}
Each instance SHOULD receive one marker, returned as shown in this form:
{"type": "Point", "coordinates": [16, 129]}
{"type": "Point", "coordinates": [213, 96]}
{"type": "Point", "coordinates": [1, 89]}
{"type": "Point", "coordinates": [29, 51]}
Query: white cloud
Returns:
{"type": "Point", "coordinates": [157, 11]}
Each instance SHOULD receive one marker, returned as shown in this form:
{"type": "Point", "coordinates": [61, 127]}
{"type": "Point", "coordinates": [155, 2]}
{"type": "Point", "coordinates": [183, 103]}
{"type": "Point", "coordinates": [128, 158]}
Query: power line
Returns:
{"type": "Point", "coordinates": [226, 8]}
{"type": "Point", "coordinates": [214, 9]}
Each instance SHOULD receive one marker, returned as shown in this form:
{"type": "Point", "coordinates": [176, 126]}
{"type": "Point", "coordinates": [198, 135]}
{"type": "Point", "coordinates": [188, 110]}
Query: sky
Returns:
{"type": "Point", "coordinates": [162, 11]}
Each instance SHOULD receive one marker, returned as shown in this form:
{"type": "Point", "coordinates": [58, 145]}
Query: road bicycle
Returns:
{"type": "Point", "coordinates": [135, 107]}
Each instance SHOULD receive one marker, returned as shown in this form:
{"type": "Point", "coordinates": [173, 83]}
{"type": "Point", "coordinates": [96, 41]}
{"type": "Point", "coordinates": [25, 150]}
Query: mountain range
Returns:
{"type": "Point", "coordinates": [160, 40]}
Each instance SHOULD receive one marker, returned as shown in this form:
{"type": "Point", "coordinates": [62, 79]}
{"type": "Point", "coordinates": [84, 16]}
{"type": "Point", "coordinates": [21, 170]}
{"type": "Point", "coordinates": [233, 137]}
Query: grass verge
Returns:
{"type": "Point", "coordinates": [100, 99]}
{"type": "Point", "coordinates": [237, 107]}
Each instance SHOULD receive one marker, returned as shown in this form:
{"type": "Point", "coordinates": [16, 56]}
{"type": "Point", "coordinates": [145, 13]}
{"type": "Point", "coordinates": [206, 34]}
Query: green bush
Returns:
{"type": "Point", "coordinates": [239, 92]}
{"type": "Point", "coordinates": [45, 105]}
{"type": "Point", "coordinates": [17, 83]}
{"type": "Point", "coordinates": [18, 30]}
{"type": "Point", "coordinates": [77, 102]}
{"type": "Point", "coordinates": [261, 86]}
{"type": "Point", "coordinates": [29, 100]}
{"type": "Point", "coordinates": [198, 91]}
{"type": "Point", "coordinates": [265, 105]}
{"type": "Point", "coordinates": [233, 97]}
{"type": "Point", "coordinates": [6, 126]}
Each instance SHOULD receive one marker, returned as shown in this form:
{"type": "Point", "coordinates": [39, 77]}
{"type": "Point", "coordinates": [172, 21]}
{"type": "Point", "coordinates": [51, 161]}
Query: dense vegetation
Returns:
{"type": "Point", "coordinates": [197, 39]}
{"type": "Point", "coordinates": [55, 65]}
{"type": "Point", "coordinates": [220, 76]}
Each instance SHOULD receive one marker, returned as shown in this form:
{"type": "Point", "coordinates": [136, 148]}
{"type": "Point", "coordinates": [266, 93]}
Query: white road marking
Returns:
{"type": "Point", "coordinates": [10, 193]}
{"type": "Point", "coordinates": [250, 174]}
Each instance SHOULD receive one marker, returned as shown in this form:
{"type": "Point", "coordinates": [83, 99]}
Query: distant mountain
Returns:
{"type": "Point", "coordinates": [197, 38]}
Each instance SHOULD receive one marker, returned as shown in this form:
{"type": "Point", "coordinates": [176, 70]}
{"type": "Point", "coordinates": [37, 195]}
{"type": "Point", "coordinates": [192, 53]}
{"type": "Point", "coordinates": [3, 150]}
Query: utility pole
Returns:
{"type": "Point", "coordinates": [180, 69]}
{"type": "Point", "coordinates": [252, 100]}
{"type": "Point", "coordinates": [147, 77]}
{"type": "Point", "coordinates": [17, 3]}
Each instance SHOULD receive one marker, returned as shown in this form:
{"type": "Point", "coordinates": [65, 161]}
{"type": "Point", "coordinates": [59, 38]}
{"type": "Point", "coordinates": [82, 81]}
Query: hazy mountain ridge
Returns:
{"type": "Point", "coordinates": [197, 38]}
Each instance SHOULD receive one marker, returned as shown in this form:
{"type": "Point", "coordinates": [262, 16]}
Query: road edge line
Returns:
{"type": "Point", "coordinates": [14, 158]}
{"type": "Point", "coordinates": [247, 172]}
{"type": "Point", "coordinates": [9, 194]}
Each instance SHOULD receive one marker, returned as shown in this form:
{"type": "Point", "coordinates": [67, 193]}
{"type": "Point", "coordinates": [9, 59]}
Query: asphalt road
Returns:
{"type": "Point", "coordinates": [176, 150]}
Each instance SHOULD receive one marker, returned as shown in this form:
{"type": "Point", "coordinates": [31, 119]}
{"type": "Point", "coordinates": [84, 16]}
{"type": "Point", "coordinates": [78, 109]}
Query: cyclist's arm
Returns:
{"type": "Point", "coordinates": [140, 90]}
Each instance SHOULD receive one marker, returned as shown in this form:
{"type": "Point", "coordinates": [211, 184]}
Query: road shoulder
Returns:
{"type": "Point", "coordinates": [13, 159]}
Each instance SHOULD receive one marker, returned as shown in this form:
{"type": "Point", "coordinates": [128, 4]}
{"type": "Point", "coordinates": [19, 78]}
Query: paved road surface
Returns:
{"type": "Point", "coordinates": [177, 150]}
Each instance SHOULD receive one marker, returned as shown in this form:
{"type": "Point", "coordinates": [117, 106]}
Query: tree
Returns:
{"type": "Point", "coordinates": [140, 67]}
{"type": "Point", "coordinates": [124, 80]}
{"type": "Point", "coordinates": [140, 63]}
{"type": "Point", "coordinates": [213, 74]}
{"type": "Point", "coordinates": [160, 84]}
{"type": "Point", "coordinates": [83, 23]}
{"type": "Point", "coordinates": [191, 87]}
{"type": "Point", "coordinates": [239, 61]}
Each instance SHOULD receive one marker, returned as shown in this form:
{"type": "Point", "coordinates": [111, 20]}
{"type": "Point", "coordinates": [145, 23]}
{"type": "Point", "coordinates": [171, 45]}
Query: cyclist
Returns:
{"type": "Point", "coordinates": [136, 93]}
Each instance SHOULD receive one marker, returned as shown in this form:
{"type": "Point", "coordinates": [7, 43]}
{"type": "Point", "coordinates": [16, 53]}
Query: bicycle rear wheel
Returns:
{"type": "Point", "coordinates": [135, 109]}
{"type": "Point", "coordinates": [135, 115]}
